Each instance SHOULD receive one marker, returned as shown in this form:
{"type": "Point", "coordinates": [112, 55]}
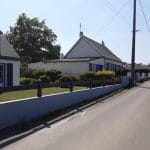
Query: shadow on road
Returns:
{"type": "Point", "coordinates": [144, 87]}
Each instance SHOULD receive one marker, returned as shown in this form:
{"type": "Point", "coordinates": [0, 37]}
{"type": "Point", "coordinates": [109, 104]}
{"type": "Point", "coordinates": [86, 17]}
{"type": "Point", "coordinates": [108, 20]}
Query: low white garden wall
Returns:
{"type": "Point", "coordinates": [18, 111]}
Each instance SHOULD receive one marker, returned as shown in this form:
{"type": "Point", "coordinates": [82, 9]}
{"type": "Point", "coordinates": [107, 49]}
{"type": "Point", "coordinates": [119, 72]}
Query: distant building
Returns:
{"type": "Point", "coordinates": [86, 55]}
{"type": "Point", "coordinates": [140, 69]}
{"type": "Point", "coordinates": [9, 64]}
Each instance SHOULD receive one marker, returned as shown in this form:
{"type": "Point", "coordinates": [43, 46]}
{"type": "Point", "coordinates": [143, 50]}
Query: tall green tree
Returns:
{"type": "Point", "coordinates": [32, 38]}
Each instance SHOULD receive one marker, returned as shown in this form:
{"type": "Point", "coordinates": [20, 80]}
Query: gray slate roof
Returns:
{"type": "Point", "coordinates": [139, 67]}
{"type": "Point", "coordinates": [6, 50]}
{"type": "Point", "coordinates": [102, 49]}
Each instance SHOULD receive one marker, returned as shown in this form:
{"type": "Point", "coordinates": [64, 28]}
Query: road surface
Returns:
{"type": "Point", "coordinates": [121, 122]}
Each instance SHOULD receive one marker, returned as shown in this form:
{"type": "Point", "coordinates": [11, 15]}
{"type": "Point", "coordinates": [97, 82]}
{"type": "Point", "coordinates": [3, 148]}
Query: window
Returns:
{"type": "Point", "coordinates": [108, 66]}
{"type": "Point", "coordinates": [90, 67]}
{"type": "Point", "coordinates": [95, 67]}
{"type": "Point", "coordinates": [99, 68]}
{"type": "Point", "coordinates": [1, 73]}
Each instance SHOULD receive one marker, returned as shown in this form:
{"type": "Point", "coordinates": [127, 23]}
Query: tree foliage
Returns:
{"type": "Point", "coordinates": [32, 38]}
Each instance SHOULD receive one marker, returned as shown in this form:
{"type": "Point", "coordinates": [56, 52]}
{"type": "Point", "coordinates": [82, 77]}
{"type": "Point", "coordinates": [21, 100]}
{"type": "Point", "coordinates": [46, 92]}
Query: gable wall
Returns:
{"type": "Point", "coordinates": [99, 61]}
{"type": "Point", "coordinates": [113, 62]}
{"type": "Point", "coordinates": [83, 49]}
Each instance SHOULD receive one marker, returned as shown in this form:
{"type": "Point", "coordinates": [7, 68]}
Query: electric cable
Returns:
{"type": "Point", "coordinates": [145, 19]}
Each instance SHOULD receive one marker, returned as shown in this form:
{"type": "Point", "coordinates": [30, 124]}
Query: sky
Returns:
{"type": "Point", "coordinates": [107, 20]}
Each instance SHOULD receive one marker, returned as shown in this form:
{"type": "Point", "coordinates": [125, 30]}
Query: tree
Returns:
{"type": "Point", "coordinates": [32, 38]}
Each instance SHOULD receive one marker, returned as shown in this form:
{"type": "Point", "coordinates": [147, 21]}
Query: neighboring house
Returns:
{"type": "Point", "coordinates": [141, 70]}
{"type": "Point", "coordinates": [85, 56]}
{"type": "Point", "coordinates": [9, 64]}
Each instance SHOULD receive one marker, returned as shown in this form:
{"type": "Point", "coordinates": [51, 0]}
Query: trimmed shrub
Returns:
{"type": "Point", "coordinates": [25, 81]}
{"type": "Point", "coordinates": [88, 76]}
{"type": "Point", "coordinates": [44, 79]}
{"type": "Point", "coordinates": [28, 73]}
{"type": "Point", "coordinates": [34, 81]}
{"type": "Point", "coordinates": [53, 74]}
{"type": "Point", "coordinates": [34, 73]}
{"type": "Point", "coordinates": [105, 75]}
{"type": "Point", "coordinates": [67, 78]}
{"type": "Point", "coordinates": [37, 73]}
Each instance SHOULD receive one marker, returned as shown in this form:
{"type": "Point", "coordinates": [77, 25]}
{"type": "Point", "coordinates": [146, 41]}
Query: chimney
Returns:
{"type": "Point", "coordinates": [1, 32]}
{"type": "Point", "coordinates": [103, 44]}
{"type": "Point", "coordinates": [81, 34]}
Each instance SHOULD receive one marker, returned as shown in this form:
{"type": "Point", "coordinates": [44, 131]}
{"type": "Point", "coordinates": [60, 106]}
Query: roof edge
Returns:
{"type": "Point", "coordinates": [73, 47]}
{"type": "Point", "coordinates": [10, 58]}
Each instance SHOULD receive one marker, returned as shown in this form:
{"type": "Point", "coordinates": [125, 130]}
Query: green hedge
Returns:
{"type": "Point", "coordinates": [27, 81]}
{"type": "Point", "coordinates": [105, 75]}
{"type": "Point", "coordinates": [100, 75]}
{"type": "Point", "coordinates": [65, 78]}
{"type": "Point", "coordinates": [53, 75]}
{"type": "Point", "coordinates": [44, 79]}
{"type": "Point", "coordinates": [88, 76]}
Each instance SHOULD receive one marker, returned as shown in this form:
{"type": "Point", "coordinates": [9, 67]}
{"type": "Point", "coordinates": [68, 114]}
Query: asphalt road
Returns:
{"type": "Point", "coordinates": [121, 122]}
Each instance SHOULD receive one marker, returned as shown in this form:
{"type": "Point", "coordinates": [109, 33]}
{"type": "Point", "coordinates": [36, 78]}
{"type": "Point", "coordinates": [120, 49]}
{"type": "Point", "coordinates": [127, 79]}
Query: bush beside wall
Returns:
{"type": "Point", "coordinates": [33, 75]}
{"type": "Point", "coordinates": [105, 75]}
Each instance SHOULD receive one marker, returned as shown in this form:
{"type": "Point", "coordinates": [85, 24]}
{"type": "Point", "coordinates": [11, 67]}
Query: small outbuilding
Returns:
{"type": "Point", "coordinates": [9, 63]}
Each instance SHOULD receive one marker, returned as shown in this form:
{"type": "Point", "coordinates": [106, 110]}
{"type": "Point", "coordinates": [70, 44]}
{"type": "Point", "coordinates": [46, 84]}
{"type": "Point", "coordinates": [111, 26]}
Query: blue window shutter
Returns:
{"type": "Point", "coordinates": [90, 67]}
{"type": "Point", "coordinates": [97, 68]}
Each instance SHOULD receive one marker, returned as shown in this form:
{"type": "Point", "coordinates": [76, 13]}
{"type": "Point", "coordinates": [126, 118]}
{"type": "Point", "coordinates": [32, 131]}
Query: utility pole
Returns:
{"type": "Point", "coordinates": [133, 45]}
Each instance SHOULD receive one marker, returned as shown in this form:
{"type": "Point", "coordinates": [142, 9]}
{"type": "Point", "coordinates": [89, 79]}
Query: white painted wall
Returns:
{"type": "Point", "coordinates": [83, 49]}
{"type": "Point", "coordinates": [99, 61]}
{"type": "Point", "coordinates": [113, 62]}
{"type": "Point", "coordinates": [16, 73]}
{"type": "Point", "coordinates": [16, 70]}
{"type": "Point", "coordinates": [68, 68]}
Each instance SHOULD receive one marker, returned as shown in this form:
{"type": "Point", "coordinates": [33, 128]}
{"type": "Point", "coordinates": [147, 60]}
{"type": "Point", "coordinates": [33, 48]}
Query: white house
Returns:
{"type": "Point", "coordinates": [86, 55]}
{"type": "Point", "coordinates": [9, 64]}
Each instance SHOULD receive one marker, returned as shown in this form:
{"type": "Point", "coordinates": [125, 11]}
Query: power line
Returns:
{"type": "Point", "coordinates": [115, 16]}
{"type": "Point", "coordinates": [108, 3]}
{"type": "Point", "coordinates": [110, 7]}
{"type": "Point", "coordinates": [142, 9]}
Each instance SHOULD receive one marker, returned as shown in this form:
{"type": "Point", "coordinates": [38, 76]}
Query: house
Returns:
{"type": "Point", "coordinates": [9, 64]}
{"type": "Point", "coordinates": [141, 70]}
{"type": "Point", "coordinates": [86, 55]}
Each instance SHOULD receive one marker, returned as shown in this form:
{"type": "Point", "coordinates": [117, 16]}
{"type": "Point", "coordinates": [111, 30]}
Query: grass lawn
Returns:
{"type": "Point", "coordinates": [7, 96]}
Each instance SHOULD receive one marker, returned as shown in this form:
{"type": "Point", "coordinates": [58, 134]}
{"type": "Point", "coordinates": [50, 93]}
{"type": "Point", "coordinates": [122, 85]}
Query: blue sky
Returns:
{"type": "Point", "coordinates": [107, 20]}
